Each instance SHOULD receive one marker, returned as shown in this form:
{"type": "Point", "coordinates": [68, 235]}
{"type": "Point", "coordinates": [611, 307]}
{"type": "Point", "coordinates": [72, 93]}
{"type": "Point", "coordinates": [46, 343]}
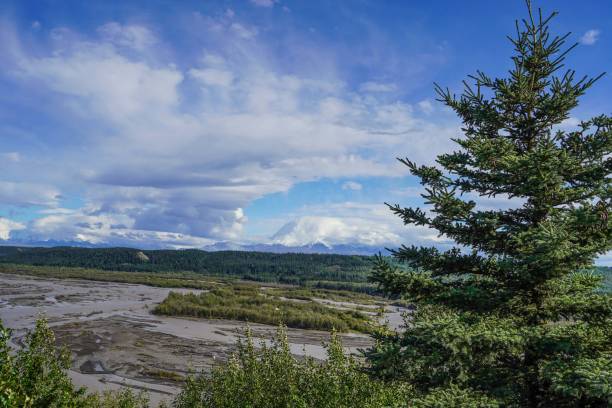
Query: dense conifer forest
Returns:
{"type": "Point", "coordinates": [258, 266]}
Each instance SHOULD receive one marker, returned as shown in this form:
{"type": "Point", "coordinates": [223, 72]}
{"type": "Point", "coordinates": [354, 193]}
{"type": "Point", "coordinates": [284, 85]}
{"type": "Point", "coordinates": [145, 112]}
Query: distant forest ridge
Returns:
{"type": "Point", "coordinates": [260, 266]}
{"type": "Point", "coordinates": [327, 270]}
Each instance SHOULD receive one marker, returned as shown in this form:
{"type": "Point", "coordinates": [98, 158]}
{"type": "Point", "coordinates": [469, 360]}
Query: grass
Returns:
{"type": "Point", "coordinates": [251, 304]}
{"type": "Point", "coordinates": [164, 280]}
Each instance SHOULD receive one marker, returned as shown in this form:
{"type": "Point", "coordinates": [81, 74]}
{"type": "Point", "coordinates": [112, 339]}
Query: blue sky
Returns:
{"type": "Point", "coordinates": [185, 123]}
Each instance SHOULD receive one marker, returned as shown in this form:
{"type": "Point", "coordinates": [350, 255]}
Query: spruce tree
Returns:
{"type": "Point", "coordinates": [511, 315]}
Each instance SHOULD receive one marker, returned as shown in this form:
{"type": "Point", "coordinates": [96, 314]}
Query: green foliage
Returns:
{"type": "Point", "coordinates": [511, 316]}
{"type": "Point", "coordinates": [363, 287]}
{"type": "Point", "coordinates": [124, 398]}
{"type": "Point", "coordinates": [257, 266]}
{"type": "Point", "coordinates": [272, 377]}
{"type": "Point", "coordinates": [250, 303]}
{"type": "Point", "coordinates": [157, 279]}
{"type": "Point", "coordinates": [35, 376]}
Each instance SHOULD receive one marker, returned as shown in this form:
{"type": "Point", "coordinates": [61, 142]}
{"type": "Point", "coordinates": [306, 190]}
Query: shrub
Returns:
{"type": "Point", "coordinates": [272, 377]}
{"type": "Point", "coordinates": [35, 376]}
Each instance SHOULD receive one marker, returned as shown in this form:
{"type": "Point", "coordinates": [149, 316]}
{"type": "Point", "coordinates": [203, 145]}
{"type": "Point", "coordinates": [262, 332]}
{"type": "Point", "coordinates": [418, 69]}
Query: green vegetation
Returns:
{"type": "Point", "coordinates": [250, 303]}
{"type": "Point", "coordinates": [266, 377]}
{"type": "Point", "coordinates": [163, 280]}
{"type": "Point", "coordinates": [231, 299]}
{"type": "Point", "coordinates": [190, 281]}
{"type": "Point", "coordinates": [257, 266]}
{"type": "Point", "coordinates": [310, 293]}
{"type": "Point", "coordinates": [272, 377]}
{"type": "Point", "coordinates": [35, 376]}
{"type": "Point", "coordinates": [515, 320]}
{"type": "Point", "coordinates": [513, 316]}
{"type": "Point", "coordinates": [363, 287]}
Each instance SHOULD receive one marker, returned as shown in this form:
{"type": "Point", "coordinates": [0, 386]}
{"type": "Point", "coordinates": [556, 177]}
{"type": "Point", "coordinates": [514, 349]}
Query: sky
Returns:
{"type": "Point", "coordinates": [180, 124]}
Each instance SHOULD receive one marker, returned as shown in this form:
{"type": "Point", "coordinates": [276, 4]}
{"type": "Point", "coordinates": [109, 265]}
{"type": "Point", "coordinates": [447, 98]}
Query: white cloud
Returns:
{"type": "Point", "coordinates": [7, 226]}
{"type": "Point", "coordinates": [212, 76]}
{"type": "Point", "coordinates": [242, 31]}
{"type": "Point", "coordinates": [426, 106]}
{"type": "Point", "coordinates": [605, 260]}
{"type": "Point", "coordinates": [409, 192]}
{"type": "Point", "coordinates": [164, 160]}
{"type": "Point", "coordinates": [89, 226]}
{"type": "Point", "coordinates": [213, 60]}
{"type": "Point", "coordinates": [106, 83]}
{"type": "Point", "coordinates": [333, 231]}
{"type": "Point", "coordinates": [131, 36]}
{"type": "Point", "coordinates": [352, 223]}
{"type": "Point", "coordinates": [590, 37]}
{"type": "Point", "coordinates": [377, 87]}
{"type": "Point", "coordinates": [569, 123]}
{"type": "Point", "coordinates": [352, 185]}
{"type": "Point", "coordinates": [28, 194]}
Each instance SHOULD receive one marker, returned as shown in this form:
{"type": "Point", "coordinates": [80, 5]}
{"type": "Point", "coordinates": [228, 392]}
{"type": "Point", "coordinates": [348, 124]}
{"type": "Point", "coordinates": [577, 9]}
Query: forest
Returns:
{"type": "Point", "coordinates": [258, 266]}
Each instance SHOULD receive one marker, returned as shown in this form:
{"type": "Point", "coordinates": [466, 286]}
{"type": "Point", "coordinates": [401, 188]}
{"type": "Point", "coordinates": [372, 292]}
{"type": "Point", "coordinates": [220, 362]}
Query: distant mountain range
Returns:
{"type": "Point", "coordinates": [313, 248]}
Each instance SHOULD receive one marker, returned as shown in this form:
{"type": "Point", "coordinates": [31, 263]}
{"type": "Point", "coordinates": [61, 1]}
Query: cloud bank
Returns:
{"type": "Point", "coordinates": [172, 153]}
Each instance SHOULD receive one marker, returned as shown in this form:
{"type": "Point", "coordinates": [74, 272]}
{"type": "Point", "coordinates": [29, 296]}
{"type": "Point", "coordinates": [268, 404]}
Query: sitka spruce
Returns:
{"type": "Point", "coordinates": [508, 316]}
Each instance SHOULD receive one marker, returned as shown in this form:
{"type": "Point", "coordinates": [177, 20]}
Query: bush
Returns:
{"type": "Point", "coordinates": [248, 303]}
{"type": "Point", "coordinates": [272, 377]}
{"type": "Point", "coordinates": [35, 376]}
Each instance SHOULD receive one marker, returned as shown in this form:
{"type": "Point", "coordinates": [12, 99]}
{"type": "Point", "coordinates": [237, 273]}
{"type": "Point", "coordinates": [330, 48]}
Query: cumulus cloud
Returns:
{"type": "Point", "coordinates": [590, 37]}
{"type": "Point", "coordinates": [333, 231]}
{"type": "Point", "coordinates": [110, 86]}
{"type": "Point", "coordinates": [7, 226]}
{"type": "Point", "coordinates": [152, 156]}
{"type": "Point", "coordinates": [89, 226]}
{"type": "Point", "coordinates": [353, 223]}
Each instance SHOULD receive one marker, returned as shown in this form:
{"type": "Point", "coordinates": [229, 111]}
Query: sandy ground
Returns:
{"type": "Point", "coordinates": [116, 341]}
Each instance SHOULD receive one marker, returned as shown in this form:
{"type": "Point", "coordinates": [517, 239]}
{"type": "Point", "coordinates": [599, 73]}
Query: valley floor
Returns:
{"type": "Point", "coordinates": [115, 339]}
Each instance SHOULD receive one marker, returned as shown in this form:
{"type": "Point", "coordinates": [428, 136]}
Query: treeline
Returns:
{"type": "Point", "coordinates": [258, 266]}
